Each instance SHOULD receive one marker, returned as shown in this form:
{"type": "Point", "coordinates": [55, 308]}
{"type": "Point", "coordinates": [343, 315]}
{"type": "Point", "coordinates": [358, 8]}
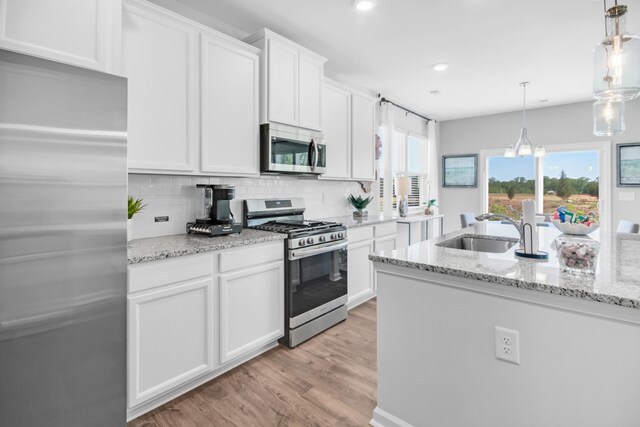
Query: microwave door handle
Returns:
{"type": "Point", "coordinates": [313, 150]}
{"type": "Point", "coordinates": [315, 157]}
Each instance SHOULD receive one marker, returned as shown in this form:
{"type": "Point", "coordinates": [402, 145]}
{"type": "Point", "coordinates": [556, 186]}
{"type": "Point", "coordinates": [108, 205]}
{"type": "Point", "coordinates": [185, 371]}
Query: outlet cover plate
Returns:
{"type": "Point", "coordinates": [507, 343]}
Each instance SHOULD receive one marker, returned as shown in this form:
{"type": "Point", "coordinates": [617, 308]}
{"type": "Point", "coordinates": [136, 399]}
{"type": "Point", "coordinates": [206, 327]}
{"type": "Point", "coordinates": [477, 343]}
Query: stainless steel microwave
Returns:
{"type": "Point", "coordinates": [287, 149]}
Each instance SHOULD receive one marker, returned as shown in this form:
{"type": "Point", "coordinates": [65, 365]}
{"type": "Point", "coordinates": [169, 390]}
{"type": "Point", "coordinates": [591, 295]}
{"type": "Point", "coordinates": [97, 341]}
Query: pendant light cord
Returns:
{"type": "Point", "coordinates": [524, 104]}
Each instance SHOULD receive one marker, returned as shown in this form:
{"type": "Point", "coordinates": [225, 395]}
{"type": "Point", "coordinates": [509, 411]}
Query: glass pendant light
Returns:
{"type": "Point", "coordinates": [608, 118]}
{"type": "Point", "coordinates": [616, 60]}
{"type": "Point", "coordinates": [524, 147]}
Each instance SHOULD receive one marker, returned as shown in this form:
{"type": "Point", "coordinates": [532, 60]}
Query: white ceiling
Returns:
{"type": "Point", "coordinates": [491, 46]}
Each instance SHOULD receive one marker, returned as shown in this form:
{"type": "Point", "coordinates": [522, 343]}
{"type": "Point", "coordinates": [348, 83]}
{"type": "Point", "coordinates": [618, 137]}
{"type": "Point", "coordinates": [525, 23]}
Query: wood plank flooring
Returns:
{"type": "Point", "coordinates": [329, 380]}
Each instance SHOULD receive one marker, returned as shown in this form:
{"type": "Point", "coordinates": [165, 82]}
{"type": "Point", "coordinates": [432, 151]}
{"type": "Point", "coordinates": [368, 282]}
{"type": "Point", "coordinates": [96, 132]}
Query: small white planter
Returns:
{"type": "Point", "coordinates": [129, 230]}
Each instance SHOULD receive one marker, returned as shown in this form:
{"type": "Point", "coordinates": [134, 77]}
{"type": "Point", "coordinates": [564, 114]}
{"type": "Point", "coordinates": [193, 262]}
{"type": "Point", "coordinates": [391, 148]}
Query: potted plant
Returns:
{"type": "Point", "coordinates": [134, 206]}
{"type": "Point", "coordinates": [359, 204]}
{"type": "Point", "coordinates": [430, 204]}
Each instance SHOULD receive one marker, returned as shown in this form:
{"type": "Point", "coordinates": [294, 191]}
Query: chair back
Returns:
{"type": "Point", "coordinates": [467, 219]}
{"type": "Point", "coordinates": [625, 226]}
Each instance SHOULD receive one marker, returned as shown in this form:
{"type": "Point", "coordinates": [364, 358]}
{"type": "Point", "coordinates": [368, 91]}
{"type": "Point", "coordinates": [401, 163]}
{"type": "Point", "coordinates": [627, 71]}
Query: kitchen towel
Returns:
{"type": "Point", "coordinates": [529, 227]}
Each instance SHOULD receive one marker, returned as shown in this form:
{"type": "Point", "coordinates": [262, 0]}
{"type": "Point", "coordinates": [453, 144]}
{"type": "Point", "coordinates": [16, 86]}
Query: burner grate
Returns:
{"type": "Point", "coordinates": [285, 226]}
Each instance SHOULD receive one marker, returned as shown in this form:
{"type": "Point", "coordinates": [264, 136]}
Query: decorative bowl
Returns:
{"type": "Point", "coordinates": [575, 229]}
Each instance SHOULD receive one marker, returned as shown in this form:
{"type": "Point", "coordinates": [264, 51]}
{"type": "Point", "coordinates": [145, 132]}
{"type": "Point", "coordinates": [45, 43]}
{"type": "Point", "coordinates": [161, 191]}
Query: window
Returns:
{"type": "Point", "coordinates": [409, 158]}
{"type": "Point", "coordinates": [511, 180]}
{"type": "Point", "coordinates": [572, 175]}
{"type": "Point", "coordinates": [572, 179]}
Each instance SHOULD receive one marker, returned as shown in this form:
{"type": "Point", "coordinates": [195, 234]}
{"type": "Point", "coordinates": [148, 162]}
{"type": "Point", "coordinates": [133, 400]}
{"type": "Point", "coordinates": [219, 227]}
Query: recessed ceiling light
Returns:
{"type": "Point", "coordinates": [440, 66]}
{"type": "Point", "coordinates": [544, 100]}
{"type": "Point", "coordinates": [364, 5]}
{"type": "Point", "coordinates": [435, 92]}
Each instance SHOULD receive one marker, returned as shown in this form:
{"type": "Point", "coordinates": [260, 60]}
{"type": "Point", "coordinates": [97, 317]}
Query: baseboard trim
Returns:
{"type": "Point", "coordinates": [382, 418]}
{"type": "Point", "coordinates": [145, 407]}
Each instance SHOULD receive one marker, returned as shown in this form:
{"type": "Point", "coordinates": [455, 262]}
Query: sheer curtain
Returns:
{"type": "Point", "coordinates": [387, 124]}
{"type": "Point", "coordinates": [433, 176]}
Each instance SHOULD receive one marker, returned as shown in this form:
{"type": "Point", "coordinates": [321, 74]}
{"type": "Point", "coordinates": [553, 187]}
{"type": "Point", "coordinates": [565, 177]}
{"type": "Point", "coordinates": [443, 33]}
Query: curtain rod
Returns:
{"type": "Point", "coordinates": [383, 99]}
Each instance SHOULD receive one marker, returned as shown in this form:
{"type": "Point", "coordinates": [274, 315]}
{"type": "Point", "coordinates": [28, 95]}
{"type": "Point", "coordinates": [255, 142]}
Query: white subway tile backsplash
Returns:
{"type": "Point", "coordinates": [176, 197]}
{"type": "Point", "coordinates": [135, 179]}
{"type": "Point", "coordinates": [160, 179]}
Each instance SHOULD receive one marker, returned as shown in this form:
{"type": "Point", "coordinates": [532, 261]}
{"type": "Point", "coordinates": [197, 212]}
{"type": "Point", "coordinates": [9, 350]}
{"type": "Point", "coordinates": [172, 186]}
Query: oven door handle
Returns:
{"type": "Point", "coordinates": [304, 253]}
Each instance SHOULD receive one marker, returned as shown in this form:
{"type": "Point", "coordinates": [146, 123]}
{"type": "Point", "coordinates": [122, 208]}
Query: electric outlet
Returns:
{"type": "Point", "coordinates": [507, 344]}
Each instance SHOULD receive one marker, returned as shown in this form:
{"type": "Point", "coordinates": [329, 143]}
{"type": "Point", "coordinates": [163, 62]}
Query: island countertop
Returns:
{"type": "Point", "coordinates": [617, 278]}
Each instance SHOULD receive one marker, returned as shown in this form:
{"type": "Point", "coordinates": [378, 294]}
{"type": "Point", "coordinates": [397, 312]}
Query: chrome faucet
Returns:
{"type": "Point", "coordinates": [517, 225]}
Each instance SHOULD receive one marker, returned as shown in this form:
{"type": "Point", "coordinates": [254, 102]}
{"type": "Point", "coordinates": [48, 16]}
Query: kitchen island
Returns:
{"type": "Point", "coordinates": [578, 337]}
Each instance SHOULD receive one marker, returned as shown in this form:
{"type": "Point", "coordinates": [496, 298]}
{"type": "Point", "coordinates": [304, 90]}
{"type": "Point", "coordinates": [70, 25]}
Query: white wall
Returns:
{"type": "Point", "coordinates": [565, 124]}
{"type": "Point", "coordinates": [176, 197]}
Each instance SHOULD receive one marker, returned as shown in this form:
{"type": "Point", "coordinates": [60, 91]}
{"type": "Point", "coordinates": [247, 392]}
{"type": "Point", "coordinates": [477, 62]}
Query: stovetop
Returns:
{"type": "Point", "coordinates": [293, 227]}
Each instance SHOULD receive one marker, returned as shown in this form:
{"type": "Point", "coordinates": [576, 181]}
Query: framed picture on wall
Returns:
{"type": "Point", "coordinates": [628, 165]}
{"type": "Point", "coordinates": [460, 171]}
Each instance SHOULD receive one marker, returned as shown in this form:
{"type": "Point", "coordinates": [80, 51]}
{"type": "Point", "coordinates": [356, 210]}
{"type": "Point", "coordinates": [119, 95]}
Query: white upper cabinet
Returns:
{"type": "Point", "coordinates": [229, 106]}
{"type": "Point", "coordinates": [159, 60]}
{"type": "Point", "coordinates": [283, 85]}
{"type": "Point", "coordinates": [363, 137]}
{"type": "Point", "coordinates": [349, 127]}
{"type": "Point", "coordinates": [292, 79]}
{"type": "Point", "coordinates": [336, 117]}
{"type": "Point", "coordinates": [310, 98]}
{"type": "Point", "coordinates": [78, 32]}
{"type": "Point", "coordinates": [193, 96]}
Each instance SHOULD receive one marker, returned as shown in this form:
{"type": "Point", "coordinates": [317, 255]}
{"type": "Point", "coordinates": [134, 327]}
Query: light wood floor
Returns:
{"type": "Point", "coordinates": [329, 380]}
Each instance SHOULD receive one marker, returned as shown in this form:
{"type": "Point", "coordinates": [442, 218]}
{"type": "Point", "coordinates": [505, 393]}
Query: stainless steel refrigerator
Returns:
{"type": "Point", "coordinates": [63, 255]}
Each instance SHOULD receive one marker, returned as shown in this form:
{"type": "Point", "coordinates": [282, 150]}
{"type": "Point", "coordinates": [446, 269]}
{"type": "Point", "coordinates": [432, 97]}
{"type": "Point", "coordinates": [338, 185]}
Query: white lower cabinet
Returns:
{"type": "Point", "coordinates": [360, 273]}
{"type": "Point", "coordinates": [171, 338]}
{"type": "Point", "coordinates": [363, 241]}
{"type": "Point", "coordinates": [194, 317]}
{"type": "Point", "coordinates": [251, 309]}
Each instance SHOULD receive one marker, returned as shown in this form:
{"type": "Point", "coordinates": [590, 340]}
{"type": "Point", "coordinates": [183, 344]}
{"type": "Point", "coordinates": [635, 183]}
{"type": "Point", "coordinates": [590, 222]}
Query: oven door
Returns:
{"type": "Point", "coordinates": [316, 282]}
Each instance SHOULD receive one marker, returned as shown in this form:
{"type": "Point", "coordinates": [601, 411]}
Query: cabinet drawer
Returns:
{"type": "Point", "coordinates": [251, 255]}
{"type": "Point", "coordinates": [385, 229]}
{"type": "Point", "coordinates": [359, 234]}
{"type": "Point", "coordinates": [163, 272]}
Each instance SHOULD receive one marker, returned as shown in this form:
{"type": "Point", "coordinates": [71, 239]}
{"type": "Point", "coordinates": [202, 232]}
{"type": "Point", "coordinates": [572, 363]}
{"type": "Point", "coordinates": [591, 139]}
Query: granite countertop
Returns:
{"type": "Point", "coordinates": [155, 248]}
{"type": "Point", "coordinates": [349, 222]}
{"type": "Point", "coordinates": [617, 278]}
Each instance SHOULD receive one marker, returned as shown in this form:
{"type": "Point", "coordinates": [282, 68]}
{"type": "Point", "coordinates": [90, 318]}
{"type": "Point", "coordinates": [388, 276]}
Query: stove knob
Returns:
{"type": "Point", "coordinates": [322, 238]}
{"type": "Point", "coordinates": [340, 235]}
{"type": "Point", "coordinates": [333, 236]}
{"type": "Point", "coordinates": [301, 242]}
{"type": "Point", "coordinates": [310, 240]}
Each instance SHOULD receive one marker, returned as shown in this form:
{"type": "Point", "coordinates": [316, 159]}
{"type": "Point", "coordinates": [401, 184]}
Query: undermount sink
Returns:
{"type": "Point", "coordinates": [480, 243]}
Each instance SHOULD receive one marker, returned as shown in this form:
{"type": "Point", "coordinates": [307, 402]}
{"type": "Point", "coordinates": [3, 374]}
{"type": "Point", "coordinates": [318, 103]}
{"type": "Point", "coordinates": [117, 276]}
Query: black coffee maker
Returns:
{"type": "Point", "coordinates": [214, 213]}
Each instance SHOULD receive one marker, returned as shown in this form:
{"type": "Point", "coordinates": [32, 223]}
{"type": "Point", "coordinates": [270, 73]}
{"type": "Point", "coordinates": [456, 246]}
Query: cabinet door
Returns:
{"type": "Point", "coordinates": [363, 137]}
{"type": "Point", "coordinates": [310, 100]}
{"type": "Point", "coordinates": [336, 118]}
{"type": "Point", "coordinates": [386, 244]}
{"type": "Point", "coordinates": [360, 273]}
{"type": "Point", "coordinates": [78, 32]}
{"type": "Point", "coordinates": [251, 309]}
{"type": "Point", "coordinates": [159, 59]}
{"type": "Point", "coordinates": [171, 338]}
{"type": "Point", "coordinates": [283, 83]}
{"type": "Point", "coordinates": [229, 117]}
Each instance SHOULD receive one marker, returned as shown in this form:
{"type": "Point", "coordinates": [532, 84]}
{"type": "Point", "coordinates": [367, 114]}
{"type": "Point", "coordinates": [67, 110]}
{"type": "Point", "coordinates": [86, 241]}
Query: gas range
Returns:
{"type": "Point", "coordinates": [315, 266]}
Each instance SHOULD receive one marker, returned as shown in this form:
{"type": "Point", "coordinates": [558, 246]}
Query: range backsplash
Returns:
{"type": "Point", "coordinates": [176, 196]}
